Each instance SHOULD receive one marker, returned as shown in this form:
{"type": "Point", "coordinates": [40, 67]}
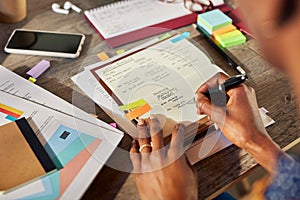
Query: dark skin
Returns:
{"type": "Point", "coordinates": [158, 168]}
{"type": "Point", "coordinates": [246, 132]}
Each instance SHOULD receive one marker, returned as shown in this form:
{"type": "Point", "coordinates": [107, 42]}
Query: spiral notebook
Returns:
{"type": "Point", "coordinates": [126, 21]}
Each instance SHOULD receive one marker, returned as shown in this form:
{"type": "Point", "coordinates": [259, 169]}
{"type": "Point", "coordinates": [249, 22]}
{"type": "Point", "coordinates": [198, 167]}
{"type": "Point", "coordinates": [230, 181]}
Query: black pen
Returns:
{"type": "Point", "coordinates": [221, 52]}
{"type": "Point", "coordinates": [218, 94]}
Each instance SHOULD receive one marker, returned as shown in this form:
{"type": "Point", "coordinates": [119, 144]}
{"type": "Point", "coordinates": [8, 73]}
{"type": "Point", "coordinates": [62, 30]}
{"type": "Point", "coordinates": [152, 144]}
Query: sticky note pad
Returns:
{"type": "Point", "coordinates": [223, 30]}
{"type": "Point", "coordinates": [213, 20]}
{"type": "Point", "coordinates": [231, 38]}
{"type": "Point", "coordinates": [38, 69]}
{"type": "Point", "coordinates": [138, 112]}
{"type": "Point", "coordinates": [103, 56]}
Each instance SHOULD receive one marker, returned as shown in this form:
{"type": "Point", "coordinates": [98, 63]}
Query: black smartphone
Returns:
{"type": "Point", "coordinates": [45, 43]}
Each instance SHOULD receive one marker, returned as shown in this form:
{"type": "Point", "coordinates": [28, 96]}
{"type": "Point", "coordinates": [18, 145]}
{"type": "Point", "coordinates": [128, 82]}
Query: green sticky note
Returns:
{"type": "Point", "coordinates": [120, 51]}
{"type": "Point", "coordinates": [133, 105]}
{"type": "Point", "coordinates": [165, 36]}
{"type": "Point", "coordinates": [231, 38]}
{"type": "Point", "coordinates": [214, 19]}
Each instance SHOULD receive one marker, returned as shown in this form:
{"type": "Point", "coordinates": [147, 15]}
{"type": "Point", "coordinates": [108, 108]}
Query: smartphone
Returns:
{"type": "Point", "coordinates": [45, 43]}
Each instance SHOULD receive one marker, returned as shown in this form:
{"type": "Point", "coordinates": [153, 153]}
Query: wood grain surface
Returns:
{"type": "Point", "coordinates": [214, 173]}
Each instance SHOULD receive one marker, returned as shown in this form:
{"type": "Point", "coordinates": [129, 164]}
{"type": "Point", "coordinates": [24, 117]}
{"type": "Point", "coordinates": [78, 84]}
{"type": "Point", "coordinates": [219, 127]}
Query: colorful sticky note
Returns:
{"type": "Point", "coordinates": [165, 36]}
{"type": "Point", "coordinates": [133, 105]}
{"type": "Point", "coordinates": [133, 114]}
{"type": "Point", "coordinates": [120, 51]}
{"type": "Point", "coordinates": [181, 37]}
{"type": "Point", "coordinates": [213, 20]}
{"type": "Point", "coordinates": [231, 39]}
{"type": "Point", "coordinates": [113, 125]}
{"type": "Point", "coordinates": [223, 30]}
{"type": "Point", "coordinates": [103, 56]}
{"type": "Point", "coordinates": [38, 69]}
{"type": "Point", "coordinates": [32, 80]}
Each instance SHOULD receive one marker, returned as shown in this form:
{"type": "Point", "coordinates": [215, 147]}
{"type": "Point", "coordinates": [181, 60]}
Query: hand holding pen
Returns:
{"type": "Point", "coordinates": [216, 92]}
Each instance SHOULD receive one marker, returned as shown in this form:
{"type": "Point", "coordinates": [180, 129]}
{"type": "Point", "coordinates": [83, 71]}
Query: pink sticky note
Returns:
{"type": "Point", "coordinates": [38, 69]}
{"type": "Point", "coordinates": [113, 125]}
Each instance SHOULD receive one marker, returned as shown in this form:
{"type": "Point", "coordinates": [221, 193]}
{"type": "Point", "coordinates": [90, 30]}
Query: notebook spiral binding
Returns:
{"type": "Point", "coordinates": [114, 5]}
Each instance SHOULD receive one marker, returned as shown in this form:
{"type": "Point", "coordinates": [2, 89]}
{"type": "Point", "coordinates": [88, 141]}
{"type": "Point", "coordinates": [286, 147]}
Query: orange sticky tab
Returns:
{"type": "Point", "coordinates": [138, 112]}
{"type": "Point", "coordinates": [103, 56]}
{"type": "Point", "coordinates": [224, 30]}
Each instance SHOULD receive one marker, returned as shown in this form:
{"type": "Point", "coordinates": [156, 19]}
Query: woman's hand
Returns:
{"type": "Point", "coordinates": [240, 121]}
{"type": "Point", "coordinates": [162, 172]}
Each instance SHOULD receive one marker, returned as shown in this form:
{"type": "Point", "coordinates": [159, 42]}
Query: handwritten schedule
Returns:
{"type": "Point", "coordinates": [166, 75]}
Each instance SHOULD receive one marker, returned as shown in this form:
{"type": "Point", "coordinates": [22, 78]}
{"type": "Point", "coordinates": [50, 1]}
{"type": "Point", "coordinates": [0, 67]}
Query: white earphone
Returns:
{"type": "Point", "coordinates": [56, 8]}
{"type": "Point", "coordinates": [69, 5]}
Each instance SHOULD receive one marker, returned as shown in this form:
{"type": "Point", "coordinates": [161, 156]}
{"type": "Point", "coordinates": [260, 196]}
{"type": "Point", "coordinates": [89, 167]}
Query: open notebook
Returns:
{"type": "Point", "coordinates": [129, 20]}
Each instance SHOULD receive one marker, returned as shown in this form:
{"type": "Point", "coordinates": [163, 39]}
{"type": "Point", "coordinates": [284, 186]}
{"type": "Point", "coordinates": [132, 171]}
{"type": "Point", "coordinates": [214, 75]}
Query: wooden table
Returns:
{"type": "Point", "coordinates": [214, 173]}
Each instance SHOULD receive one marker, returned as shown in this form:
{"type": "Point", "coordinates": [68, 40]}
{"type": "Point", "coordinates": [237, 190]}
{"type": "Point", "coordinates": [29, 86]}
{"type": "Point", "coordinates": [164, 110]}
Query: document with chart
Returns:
{"type": "Point", "coordinates": [78, 145]}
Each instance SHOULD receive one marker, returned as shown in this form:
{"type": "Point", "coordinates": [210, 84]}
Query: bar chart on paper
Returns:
{"type": "Point", "coordinates": [10, 113]}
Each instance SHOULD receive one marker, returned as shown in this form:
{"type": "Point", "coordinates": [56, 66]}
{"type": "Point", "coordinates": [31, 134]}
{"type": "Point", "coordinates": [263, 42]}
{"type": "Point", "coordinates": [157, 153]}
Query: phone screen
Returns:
{"type": "Point", "coordinates": [43, 41]}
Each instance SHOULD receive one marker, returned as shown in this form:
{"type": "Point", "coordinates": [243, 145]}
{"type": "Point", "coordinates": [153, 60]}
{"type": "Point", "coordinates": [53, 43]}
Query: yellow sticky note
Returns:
{"type": "Point", "coordinates": [231, 38]}
{"type": "Point", "coordinates": [120, 51]}
{"type": "Point", "coordinates": [138, 112]}
{"type": "Point", "coordinates": [32, 80]}
{"type": "Point", "coordinates": [225, 29]}
{"type": "Point", "coordinates": [133, 105]}
{"type": "Point", "coordinates": [103, 56]}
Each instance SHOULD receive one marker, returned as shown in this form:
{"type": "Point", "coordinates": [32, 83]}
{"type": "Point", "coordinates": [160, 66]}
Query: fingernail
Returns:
{"type": "Point", "coordinates": [188, 4]}
{"type": "Point", "coordinates": [152, 116]}
{"type": "Point", "coordinates": [133, 141]}
{"type": "Point", "coordinates": [176, 127]}
{"type": "Point", "coordinates": [141, 122]}
{"type": "Point", "coordinates": [216, 126]}
{"type": "Point", "coordinates": [196, 97]}
{"type": "Point", "coordinates": [196, 7]}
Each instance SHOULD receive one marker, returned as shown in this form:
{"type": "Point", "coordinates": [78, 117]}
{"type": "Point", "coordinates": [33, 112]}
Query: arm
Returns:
{"type": "Point", "coordinates": [240, 122]}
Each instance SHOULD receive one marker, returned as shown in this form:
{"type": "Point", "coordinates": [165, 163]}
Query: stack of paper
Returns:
{"type": "Point", "coordinates": [220, 26]}
{"type": "Point", "coordinates": [76, 142]}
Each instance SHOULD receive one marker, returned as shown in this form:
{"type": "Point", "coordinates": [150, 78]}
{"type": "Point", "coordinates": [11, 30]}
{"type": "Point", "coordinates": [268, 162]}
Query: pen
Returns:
{"type": "Point", "coordinates": [218, 94]}
{"type": "Point", "coordinates": [222, 53]}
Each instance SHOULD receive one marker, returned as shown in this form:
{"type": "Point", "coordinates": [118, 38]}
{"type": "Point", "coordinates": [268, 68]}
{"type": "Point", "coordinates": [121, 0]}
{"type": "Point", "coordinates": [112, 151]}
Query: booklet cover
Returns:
{"type": "Point", "coordinates": [22, 156]}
